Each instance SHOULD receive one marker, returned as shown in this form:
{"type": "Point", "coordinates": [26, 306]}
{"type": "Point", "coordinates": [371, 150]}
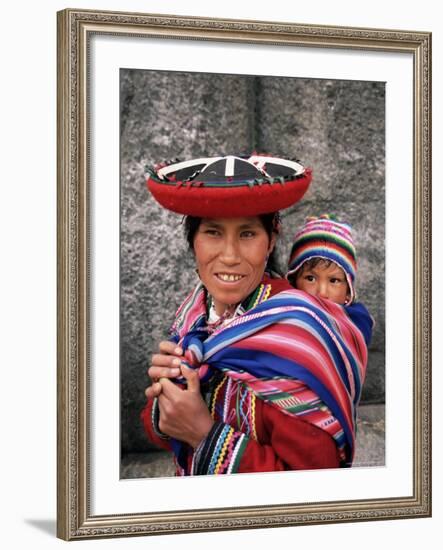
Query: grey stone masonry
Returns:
{"type": "Point", "coordinates": [335, 127]}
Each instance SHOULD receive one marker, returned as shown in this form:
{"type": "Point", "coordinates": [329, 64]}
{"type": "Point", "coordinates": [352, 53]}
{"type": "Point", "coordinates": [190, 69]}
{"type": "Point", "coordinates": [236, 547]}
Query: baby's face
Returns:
{"type": "Point", "coordinates": [325, 281]}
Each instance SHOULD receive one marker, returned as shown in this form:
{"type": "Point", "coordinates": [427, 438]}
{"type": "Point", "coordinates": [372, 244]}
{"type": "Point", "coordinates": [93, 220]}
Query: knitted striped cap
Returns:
{"type": "Point", "coordinates": [325, 237]}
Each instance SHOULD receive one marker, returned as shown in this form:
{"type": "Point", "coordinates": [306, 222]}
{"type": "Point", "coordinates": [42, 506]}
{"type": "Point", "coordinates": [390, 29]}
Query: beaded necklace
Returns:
{"type": "Point", "coordinates": [214, 321]}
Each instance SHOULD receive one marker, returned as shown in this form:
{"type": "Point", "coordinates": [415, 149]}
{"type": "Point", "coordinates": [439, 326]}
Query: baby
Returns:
{"type": "Point", "coordinates": [323, 263]}
{"type": "Point", "coordinates": [322, 260]}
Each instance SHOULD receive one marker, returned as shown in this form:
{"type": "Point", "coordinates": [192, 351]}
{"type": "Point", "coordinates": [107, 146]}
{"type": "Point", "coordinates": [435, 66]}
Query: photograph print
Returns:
{"type": "Point", "coordinates": [252, 273]}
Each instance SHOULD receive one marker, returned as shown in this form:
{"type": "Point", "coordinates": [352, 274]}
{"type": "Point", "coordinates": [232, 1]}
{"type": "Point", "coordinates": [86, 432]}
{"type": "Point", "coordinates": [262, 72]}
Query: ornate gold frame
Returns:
{"type": "Point", "coordinates": [75, 27]}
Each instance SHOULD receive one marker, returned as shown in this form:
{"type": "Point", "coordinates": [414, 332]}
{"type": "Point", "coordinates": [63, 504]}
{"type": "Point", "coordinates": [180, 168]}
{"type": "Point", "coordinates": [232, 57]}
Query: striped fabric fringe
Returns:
{"type": "Point", "coordinates": [220, 452]}
{"type": "Point", "coordinates": [302, 355]}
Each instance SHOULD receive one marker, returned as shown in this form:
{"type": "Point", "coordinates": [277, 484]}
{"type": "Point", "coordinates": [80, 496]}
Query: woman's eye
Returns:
{"type": "Point", "coordinates": [212, 232]}
{"type": "Point", "coordinates": [247, 234]}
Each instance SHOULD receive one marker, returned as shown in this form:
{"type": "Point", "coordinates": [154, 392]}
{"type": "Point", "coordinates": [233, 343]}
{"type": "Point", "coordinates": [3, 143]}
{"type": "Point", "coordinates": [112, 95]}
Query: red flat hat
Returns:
{"type": "Point", "coordinates": [229, 186]}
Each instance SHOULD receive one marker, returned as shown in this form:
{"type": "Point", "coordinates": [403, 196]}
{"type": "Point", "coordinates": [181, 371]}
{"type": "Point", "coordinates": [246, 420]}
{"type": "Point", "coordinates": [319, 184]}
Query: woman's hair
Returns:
{"type": "Point", "coordinates": [191, 225]}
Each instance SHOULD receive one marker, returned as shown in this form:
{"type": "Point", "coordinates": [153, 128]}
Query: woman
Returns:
{"type": "Point", "coordinates": [257, 376]}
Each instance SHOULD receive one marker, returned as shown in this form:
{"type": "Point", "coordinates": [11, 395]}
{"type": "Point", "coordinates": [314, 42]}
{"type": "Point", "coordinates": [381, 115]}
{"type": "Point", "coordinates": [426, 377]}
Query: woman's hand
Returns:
{"type": "Point", "coordinates": [183, 413]}
{"type": "Point", "coordinates": [165, 364]}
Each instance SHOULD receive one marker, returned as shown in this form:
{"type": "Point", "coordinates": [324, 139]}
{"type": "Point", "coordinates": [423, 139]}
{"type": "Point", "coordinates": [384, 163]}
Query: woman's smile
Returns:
{"type": "Point", "coordinates": [229, 277]}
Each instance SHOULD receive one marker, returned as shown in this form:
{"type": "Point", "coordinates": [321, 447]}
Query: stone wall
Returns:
{"type": "Point", "coordinates": [335, 127]}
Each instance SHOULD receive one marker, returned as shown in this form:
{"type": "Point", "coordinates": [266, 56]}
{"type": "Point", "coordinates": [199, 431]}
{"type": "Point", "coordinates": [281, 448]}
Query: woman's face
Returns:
{"type": "Point", "coordinates": [231, 255]}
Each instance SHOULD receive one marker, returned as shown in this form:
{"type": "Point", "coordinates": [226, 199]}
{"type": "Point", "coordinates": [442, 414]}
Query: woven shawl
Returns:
{"type": "Point", "coordinates": [299, 353]}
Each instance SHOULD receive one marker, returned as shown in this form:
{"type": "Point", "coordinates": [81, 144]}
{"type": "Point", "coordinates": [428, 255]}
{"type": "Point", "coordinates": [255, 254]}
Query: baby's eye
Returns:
{"type": "Point", "coordinates": [310, 278]}
{"type": "Point", "coordinates": [335, 280]}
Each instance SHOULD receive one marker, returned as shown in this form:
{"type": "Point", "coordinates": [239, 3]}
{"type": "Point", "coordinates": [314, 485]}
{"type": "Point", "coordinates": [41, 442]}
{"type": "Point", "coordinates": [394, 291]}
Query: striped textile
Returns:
{"type": "Point", "coordinates": [297, 352]}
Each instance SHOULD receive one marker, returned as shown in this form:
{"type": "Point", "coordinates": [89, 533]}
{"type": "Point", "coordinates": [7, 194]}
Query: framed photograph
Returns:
{"type": "Point", "coordinates": [137, 90]}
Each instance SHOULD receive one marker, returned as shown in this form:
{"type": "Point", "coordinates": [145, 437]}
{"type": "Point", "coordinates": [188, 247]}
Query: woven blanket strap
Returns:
{"type": "Point", "coordinates": [192, 345]}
